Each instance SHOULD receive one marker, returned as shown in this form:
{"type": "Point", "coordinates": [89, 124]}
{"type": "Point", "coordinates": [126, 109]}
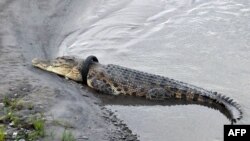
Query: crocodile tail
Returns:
{"type": "Point", "coordinates": [233, 108]}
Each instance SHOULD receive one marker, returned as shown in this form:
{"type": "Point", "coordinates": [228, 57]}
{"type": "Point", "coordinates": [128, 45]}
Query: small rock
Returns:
{"type": "Point", "coordinates": [24, 89]}
{"type": "Point", "coordinates": [123, 137]}
{"type": "Point", "coordinates": [21, 140]}
{"type": "Point", "coordinates": [84, 137]}
{"type": "Point", "coordinates": [110, 114]}
{"type": "Point", "coordinates": [113, 120]}
{"type": "Point", "coordinates": [14, 134]}
{"type": "Point", "coordinates": [85, 95]}
{"type": "Point", "coordinates": [15, 95]}
{"type": "Point", "coordinates": [131, 138]}
{"type": "Point", "coordinates": [11, 89]}
{"type": "Point", "coordinates": [12, 124]}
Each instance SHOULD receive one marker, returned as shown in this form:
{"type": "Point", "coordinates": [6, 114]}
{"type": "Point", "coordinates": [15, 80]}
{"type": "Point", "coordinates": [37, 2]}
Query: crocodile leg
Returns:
{"type": "Point", "coordinates": [101, 86]}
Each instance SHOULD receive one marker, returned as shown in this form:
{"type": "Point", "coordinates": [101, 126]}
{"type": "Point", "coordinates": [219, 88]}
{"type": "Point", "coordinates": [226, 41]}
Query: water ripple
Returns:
{"type": "Point", "coordinates": [202, 42]}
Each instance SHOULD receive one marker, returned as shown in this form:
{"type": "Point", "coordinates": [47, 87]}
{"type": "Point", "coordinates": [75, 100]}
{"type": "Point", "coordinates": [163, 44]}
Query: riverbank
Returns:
{"type": "Point", "coordinates": [25, 33]}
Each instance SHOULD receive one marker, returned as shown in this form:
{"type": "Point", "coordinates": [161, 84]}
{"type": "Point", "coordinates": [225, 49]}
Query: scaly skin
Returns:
{"type": "Point", "coordinates": [117, 80]}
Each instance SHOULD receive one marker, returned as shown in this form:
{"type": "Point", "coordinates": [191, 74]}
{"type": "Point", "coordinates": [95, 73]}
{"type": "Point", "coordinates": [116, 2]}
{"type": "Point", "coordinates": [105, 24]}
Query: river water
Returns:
{"type": "Point", "coordinates": [202, 42]}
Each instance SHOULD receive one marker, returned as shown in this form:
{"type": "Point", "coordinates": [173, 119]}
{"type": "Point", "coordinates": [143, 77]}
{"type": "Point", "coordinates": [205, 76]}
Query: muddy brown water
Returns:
{"type": "Point", "coordinates": [202, 42]}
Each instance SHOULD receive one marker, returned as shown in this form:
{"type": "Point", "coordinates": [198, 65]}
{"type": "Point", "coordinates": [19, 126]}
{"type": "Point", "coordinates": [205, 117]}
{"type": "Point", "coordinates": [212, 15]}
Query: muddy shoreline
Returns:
{"type": "Point", "coordinates": [27, 30]}
{"type": "Point", "coordinates": [203, 43]}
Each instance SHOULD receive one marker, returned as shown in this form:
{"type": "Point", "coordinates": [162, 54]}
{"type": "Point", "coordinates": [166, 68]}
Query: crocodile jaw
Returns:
{"type": "Point", "coordinates": [42, 64]}
{"type": "Point", "coordinates": [62, 66]}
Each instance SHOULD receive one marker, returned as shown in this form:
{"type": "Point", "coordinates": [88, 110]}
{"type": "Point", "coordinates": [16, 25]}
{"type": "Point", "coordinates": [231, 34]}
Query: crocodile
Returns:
{"type": "Point", "coordinates": [118, 80]}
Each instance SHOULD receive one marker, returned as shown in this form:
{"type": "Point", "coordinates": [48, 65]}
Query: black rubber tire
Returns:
{"type": "Point", "coordinates": [85, 67]}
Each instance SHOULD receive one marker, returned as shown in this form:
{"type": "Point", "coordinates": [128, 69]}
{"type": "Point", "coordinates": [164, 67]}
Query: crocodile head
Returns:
{"type": "Point", "coordinates": [66, 66]}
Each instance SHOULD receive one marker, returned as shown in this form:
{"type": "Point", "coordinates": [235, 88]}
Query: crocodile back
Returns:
{"type": "Point", "coordinates": [118, 80]}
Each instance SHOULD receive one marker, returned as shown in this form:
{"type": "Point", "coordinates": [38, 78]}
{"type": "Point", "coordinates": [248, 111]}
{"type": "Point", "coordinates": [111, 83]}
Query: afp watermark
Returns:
{"type": "Point", "coordinates": [236, 132]}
